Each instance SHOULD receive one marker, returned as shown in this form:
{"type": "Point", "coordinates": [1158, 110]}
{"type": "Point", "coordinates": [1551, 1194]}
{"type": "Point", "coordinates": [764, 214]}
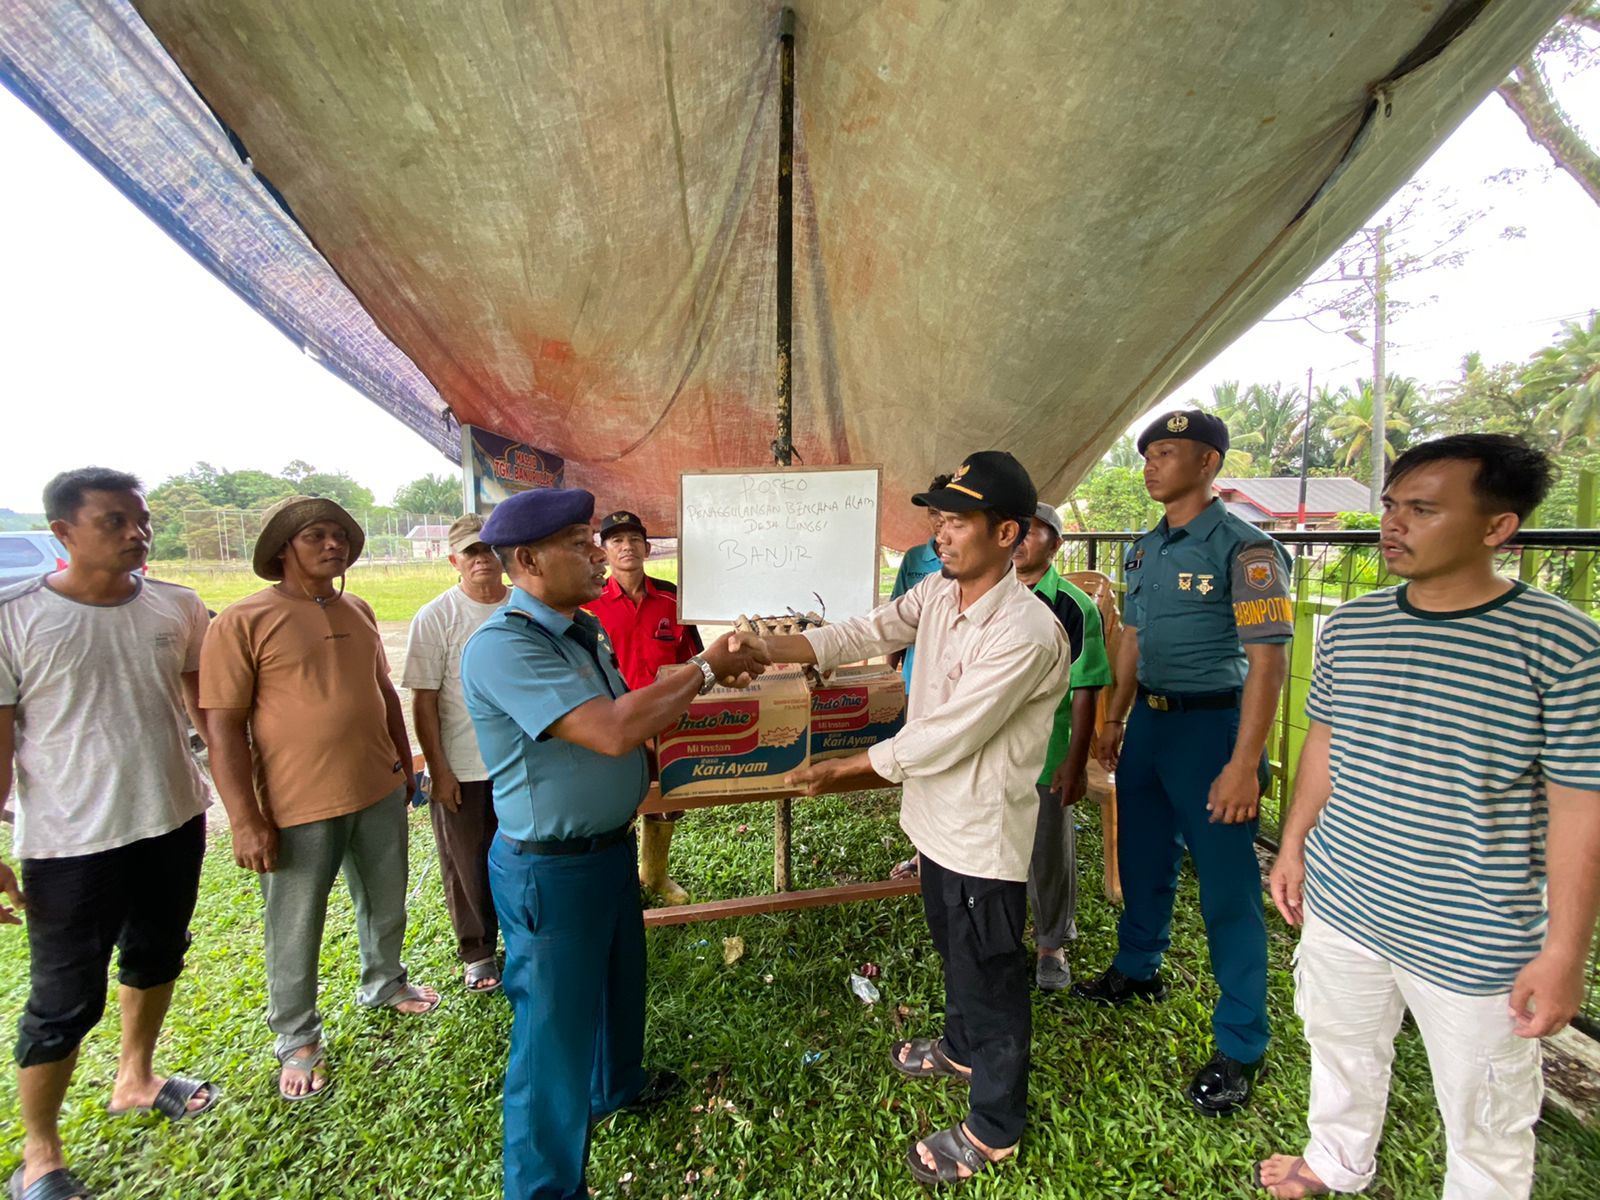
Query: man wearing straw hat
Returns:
{"type": "Point", "coordinates": [311, 758]}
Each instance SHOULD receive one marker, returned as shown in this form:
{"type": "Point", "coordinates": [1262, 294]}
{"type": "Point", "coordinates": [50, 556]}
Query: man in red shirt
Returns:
{"type": "Point", "coordinates": [640, 616]}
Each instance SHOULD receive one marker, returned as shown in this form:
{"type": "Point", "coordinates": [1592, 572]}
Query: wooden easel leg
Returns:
{"type": "Point", "coordinates": [782, 828]}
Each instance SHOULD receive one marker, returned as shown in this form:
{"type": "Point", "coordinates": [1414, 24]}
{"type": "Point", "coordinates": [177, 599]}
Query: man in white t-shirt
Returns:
{"type": "Point", "coordinates": [97, 664]}
{"type": "Point", "coordinates": [462, 805]}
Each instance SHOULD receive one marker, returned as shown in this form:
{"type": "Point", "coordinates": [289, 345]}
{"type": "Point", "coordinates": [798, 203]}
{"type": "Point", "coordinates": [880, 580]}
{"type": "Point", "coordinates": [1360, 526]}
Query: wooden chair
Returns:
{"type": "Point", "coordinates": [1102, 785]}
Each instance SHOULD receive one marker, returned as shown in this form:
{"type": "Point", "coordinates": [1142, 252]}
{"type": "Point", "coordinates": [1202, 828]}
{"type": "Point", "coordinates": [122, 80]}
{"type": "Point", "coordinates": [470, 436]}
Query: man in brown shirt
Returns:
{"type": "Point", "coordinates": [311, 758]}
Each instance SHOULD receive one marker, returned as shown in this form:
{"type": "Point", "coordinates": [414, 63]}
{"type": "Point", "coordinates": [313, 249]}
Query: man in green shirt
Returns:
{"type": "Point", "coordinates": [1053, 872]}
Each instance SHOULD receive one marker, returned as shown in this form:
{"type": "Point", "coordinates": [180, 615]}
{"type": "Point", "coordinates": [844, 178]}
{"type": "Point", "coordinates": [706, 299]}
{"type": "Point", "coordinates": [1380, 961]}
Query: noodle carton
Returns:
{"type": "Point", "coordinates": [855, 708]}
{"type": "Point", "coordinates": [738, 741]}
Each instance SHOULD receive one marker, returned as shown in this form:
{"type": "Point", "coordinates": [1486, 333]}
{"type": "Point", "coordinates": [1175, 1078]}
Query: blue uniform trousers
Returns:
{"type": "Point", "coordinates": [575, 964]}
{"type": "Point", "coordinates": [1169, 760]}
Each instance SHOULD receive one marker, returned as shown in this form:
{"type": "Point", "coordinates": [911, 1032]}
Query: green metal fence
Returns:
{"type": "Point", "coordinates": [1330, 568]}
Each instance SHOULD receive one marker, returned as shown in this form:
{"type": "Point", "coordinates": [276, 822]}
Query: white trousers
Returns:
{"type": "Point", "coordinates": [1487, 1080]}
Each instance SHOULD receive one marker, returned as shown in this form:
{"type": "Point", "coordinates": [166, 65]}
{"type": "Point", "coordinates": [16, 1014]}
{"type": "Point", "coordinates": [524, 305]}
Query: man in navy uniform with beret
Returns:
{"type": "Point", "coordinates": [640, 616]}
{"type": "Point", "coordinates": [563, 739]}
{"type": "Point", "coordinates": [1204, 652]}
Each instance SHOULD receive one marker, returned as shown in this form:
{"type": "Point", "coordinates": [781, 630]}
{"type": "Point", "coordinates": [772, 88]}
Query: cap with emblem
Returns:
{"type": "Point", "coordinates": [534, 515]}
{"type": "Point", "coordinates": [987, 479]}
{"type": "Point", "coordinates": [1190, 425]}
{"type": "Point", "coordinates": [464, 531]}
{"type": "Point", "coordinates": [619, 521]}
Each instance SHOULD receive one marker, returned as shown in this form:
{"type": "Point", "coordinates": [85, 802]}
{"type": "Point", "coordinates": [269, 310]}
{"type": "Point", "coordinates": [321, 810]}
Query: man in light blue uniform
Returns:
{"type": "Point", "coordinates": [1206, 622]}
{"type": "Point", "coordinates": [563, 739]}
{"type": "Point", "coordinates": [919, 562]}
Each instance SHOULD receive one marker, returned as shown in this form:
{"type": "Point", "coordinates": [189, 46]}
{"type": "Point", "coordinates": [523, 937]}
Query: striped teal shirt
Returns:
{"type": "Point", "coordinates": [1445, 728]}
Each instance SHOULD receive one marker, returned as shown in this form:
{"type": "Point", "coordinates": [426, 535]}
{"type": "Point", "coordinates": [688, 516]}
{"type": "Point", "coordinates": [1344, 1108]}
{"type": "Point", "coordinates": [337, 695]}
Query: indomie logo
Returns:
{"type": "Point", "coordinates": [724, 719]}
{"type": "Point", "coordinates": [853, 698]}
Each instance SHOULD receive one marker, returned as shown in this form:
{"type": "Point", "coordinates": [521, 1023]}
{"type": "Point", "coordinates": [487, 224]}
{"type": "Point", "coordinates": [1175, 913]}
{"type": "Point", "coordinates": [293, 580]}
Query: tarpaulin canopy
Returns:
{"type": "Point", "coordinates": [1017, 225]}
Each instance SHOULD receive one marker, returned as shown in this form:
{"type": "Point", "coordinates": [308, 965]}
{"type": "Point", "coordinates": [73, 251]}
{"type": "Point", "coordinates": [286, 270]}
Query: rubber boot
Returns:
{"type": "Point", "coordinates": [654, 838]}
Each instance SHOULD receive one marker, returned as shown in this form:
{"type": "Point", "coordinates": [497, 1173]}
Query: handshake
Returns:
{"type": "Point", "coordinates": [750, 649]}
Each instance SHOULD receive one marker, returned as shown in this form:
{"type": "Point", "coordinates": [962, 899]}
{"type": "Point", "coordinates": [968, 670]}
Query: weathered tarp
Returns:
{"type": "Point", "coordinates": [1018, 224]}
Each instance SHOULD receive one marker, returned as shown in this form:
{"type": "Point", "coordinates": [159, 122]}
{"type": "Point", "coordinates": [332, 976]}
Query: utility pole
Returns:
{"type": "Point", "coordinates": [1380, 423]}
{"type": "Point", "coordinates": [783, 444]}
{"type": "Point", "coordinates": [1305, 456]}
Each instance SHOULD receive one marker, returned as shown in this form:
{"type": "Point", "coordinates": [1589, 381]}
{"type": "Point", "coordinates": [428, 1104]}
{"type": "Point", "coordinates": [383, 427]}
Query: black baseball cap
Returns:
{"type": "Point", "coordinates": [1190, 425]}
{"type": "Point", "coordinates": [619, 521]}
{"type": "Point", "coordinates": [987, 479]}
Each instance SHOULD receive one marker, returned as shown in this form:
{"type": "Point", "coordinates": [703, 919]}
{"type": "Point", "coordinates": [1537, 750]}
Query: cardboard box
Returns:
{"type": "Point", "coordinates": [731, 741]}
{"type": "Point", "coordinates": [859, 706]}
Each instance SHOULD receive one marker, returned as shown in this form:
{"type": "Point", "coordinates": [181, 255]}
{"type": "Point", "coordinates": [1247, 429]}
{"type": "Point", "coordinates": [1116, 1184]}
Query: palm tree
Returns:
{"type": "Point", "coordinates": [1563, 381]}
{"type": "Point", "coordinates": [1351, 427]}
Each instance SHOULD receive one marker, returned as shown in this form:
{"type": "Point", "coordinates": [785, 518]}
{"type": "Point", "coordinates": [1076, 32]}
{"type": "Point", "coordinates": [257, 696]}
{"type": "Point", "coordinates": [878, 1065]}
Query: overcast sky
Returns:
{"type": "Point", "coordinates": [162, 365]}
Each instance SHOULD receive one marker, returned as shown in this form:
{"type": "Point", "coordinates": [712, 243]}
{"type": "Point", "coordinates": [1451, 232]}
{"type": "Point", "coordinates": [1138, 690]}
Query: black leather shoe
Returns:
{"type": "Point", "coordinates": [659, 1087]}
{"type": "Point", "coordinates": [1115, 988]}
{"type": "Point", "coordinates": [1223, 1085]}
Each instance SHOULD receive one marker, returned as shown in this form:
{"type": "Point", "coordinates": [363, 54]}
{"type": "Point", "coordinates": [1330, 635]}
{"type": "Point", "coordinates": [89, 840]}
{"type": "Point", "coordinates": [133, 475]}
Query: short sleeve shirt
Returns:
{"type": "Point", "coordinates": [1090, 667]}
{"type": "Point", "coordinates": [311, 675]}
{"type": "Point", "coordinates": [1199, 594]}
{"type": "Point", "coordinates": [645, 636]}
{"type": "Point", "coordinates": [439, 633]}
{"type": "Point", "coordinates": [526, 668]}
{"type": "Point", "coordinates": [1445, 729]}
{"type": "Point", "coordinates": [102, 748]}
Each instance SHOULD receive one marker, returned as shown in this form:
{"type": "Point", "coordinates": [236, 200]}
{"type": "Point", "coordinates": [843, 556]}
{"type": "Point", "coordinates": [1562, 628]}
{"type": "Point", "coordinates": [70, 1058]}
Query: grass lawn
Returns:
{"type": "Point", "coordinates": [416, 1110]}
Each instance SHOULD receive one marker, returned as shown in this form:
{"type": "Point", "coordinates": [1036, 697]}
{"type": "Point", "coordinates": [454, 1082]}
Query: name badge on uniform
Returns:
{"type": "Point", "coordinates": [1135, 562]}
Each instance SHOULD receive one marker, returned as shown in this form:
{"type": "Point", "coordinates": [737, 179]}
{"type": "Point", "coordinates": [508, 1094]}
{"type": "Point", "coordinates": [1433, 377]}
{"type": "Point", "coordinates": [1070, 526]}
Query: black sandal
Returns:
{"type": "Point", "coordinates": [926, 1060]}
{"type": "Point", "coordinates": [951, 1149]}
{"type": "Point", "coordinates": [60, 1184]}
{"type": "Point", "coordinates": [172, 1101]}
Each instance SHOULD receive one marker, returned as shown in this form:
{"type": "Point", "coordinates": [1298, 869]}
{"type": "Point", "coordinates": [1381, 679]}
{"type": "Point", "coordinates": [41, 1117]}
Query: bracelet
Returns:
{"type": "Point", "coordinates": [1115, 721]}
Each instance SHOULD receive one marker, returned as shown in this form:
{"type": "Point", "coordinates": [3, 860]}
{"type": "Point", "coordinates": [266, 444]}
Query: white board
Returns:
{"type": "Point", "coordinates": [758, 543]}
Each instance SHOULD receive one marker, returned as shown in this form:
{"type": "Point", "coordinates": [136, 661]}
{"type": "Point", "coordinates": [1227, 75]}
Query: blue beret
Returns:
{"type": "Point", "coordinates": [534, 515]}
{"type": "Point", "coordinates": [1190, 425]}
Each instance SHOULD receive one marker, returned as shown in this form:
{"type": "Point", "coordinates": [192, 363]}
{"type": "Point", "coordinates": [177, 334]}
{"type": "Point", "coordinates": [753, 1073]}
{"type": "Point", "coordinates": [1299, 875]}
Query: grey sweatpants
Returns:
{"type": "Point", "coordinates": [370, 846]}
{"type": "Point", "coordinates": [1053, 874]}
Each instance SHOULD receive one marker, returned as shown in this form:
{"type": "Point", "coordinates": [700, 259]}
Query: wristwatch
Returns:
{"type": "Point", "coordinates": [705, 669]}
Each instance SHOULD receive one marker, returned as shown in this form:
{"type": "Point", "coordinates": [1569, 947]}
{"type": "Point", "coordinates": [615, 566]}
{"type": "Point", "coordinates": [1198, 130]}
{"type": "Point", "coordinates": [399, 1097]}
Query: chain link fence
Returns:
{"type": "Point", "coordinates": [1330, 568]}
{"type": "Point", "coordinates": [226, 535]}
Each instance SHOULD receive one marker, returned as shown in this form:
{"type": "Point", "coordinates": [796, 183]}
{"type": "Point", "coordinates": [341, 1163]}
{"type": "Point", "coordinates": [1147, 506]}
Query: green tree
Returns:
{"type": "Point", "coordinates": [1562, 382]}
{"type": "Point", "coordinates": [337, 486]}
{"type": "Point", "coordinates": [1113, 498]}
{"type": "Point", "coordinates": [1351, 426]}
{"type": "Point", "coordinates": [1486, 398]}
{"type": "Point", "coordinates": [168, 503]}
{"type": "Point", "coordinates": [430, 494]}
{"type": "Point", "coordinates": [1529, 95]}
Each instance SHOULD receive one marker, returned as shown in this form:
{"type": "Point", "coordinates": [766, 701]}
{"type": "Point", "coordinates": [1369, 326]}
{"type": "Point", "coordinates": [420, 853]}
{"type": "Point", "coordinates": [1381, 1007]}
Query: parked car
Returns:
{"type": "Point", "coordinates": [28, 553]}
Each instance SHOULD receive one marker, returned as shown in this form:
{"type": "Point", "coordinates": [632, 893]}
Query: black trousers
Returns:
{"type": "Point", "coordinates": [988, 1014]}
{"type": "Point", "coordinates": [136, 899]}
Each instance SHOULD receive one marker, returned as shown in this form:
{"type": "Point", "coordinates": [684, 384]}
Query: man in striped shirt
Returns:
{"type": "Point", "coordinates": [1443, 848]}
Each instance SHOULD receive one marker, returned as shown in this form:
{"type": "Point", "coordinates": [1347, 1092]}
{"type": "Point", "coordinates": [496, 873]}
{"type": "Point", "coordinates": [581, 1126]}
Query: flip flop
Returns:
{"type": "Point", "coordinates": [172, 1101]}
{"type": "Point", "coordinates": [477, 972]}
{"type": "Point", "coordinates": [60, 1184]}
{"type": "Point", "coordinates": [412, 992]}
{"type": "Point", "coordinates": [306, 1061]}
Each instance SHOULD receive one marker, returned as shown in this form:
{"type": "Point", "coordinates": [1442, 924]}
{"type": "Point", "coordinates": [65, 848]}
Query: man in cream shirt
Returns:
{"type": "Point", "coordinates": [991, 666]}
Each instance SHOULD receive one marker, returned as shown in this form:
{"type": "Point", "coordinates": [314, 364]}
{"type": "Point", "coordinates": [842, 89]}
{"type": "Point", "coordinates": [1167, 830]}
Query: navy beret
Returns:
{"type": "Point", "coordinates": [534, 515]}
{"type": "Point", "coordinates": [1190, 425]}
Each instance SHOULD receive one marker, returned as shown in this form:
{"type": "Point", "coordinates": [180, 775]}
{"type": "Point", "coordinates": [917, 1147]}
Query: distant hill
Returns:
{"type": "Point", "coordinates": [14, 520]}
